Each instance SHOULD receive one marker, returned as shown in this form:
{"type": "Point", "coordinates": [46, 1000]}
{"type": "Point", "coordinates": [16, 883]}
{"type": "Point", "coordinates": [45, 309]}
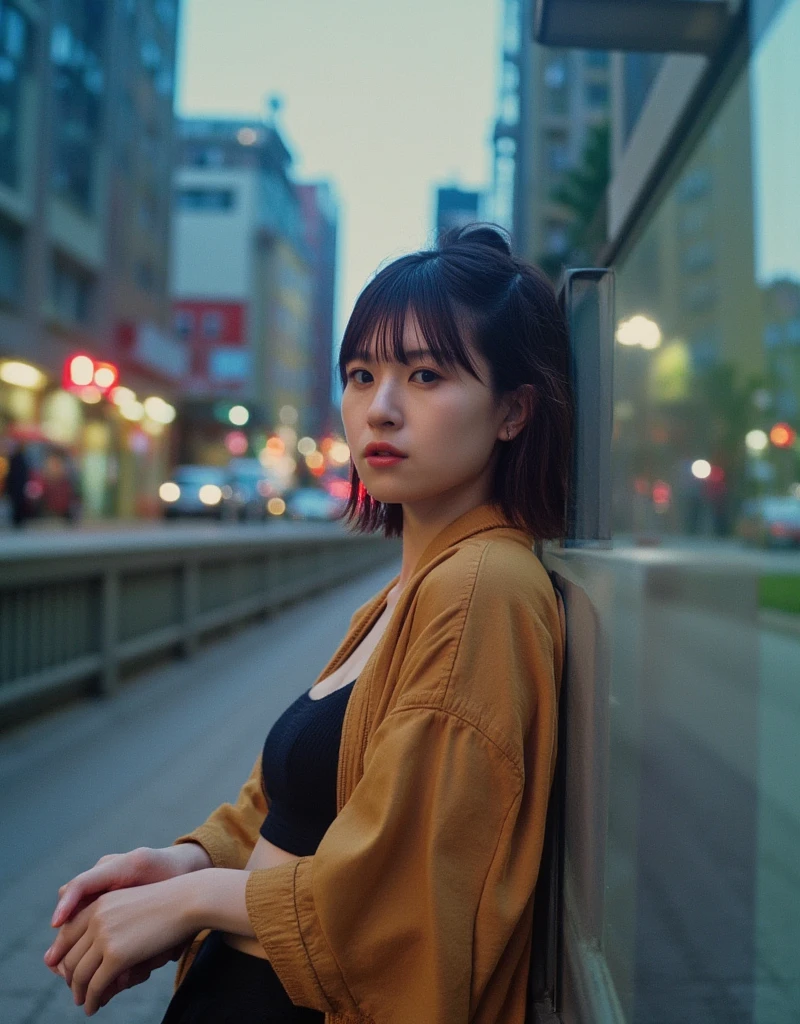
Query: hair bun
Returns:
{"type": "Point", "coordinates": [479, 234]}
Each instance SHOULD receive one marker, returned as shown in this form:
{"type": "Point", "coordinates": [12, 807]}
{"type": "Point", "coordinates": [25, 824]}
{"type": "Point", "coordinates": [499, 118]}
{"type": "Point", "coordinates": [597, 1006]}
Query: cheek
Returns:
{"type": "Point", "coordinates": [462, 425]}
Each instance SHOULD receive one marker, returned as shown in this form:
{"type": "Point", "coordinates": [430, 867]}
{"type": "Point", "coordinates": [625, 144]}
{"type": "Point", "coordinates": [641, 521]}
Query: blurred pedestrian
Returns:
{"type": "Point", "coordinates": [15, 485]}
{"type": "Point", "coordinates": [381, 866]}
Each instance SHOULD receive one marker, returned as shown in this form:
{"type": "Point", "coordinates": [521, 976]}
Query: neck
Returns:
{"type": "Point", "coordinates": [423, 521]}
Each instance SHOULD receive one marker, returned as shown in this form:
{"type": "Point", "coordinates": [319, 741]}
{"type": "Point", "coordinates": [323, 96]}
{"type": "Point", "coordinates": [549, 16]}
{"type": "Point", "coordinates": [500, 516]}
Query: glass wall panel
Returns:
{"type": "Point", "coordinates": [702, 916]}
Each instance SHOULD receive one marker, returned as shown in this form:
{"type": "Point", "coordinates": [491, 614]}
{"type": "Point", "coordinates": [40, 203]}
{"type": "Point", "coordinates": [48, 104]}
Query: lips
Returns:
{"type": "Point", "coordinates": [379, 448]}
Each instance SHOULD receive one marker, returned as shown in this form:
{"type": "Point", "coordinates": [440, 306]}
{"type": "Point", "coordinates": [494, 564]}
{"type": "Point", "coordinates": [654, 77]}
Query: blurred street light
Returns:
{"type": "Point", "coordinates": [756, 440]}
{"type": "Point", "coordinates": [21, 375]}
{"type": "Point", "coordinates": [238, 415]}
{"type": "Point", "coordinates": [639, 330]}
{"type": "Point", "coordinates": [782, 435]}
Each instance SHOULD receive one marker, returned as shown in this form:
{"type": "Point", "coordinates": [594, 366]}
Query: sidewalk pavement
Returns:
{"type": "Point", "coordinates": [103, 777]}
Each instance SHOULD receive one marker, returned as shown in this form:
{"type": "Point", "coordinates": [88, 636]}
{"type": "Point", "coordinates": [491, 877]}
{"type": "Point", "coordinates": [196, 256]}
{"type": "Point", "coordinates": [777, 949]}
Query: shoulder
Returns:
{"type": "Point", "coordinates": [487, 572]}
{"type": "Point", "coordinates": [485, 641]}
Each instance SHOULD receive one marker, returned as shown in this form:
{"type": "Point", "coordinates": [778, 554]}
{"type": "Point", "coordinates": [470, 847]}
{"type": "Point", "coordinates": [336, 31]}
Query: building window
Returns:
{"type": "Point", "coordinates": [205, 199]}
{"type": "Point", "coordinates": [557, 155]}
{"type": "Point", "coordinates": [699, 256]}
{"type": "Point", "coordinates": [556, 80]}
{"type": "Point", "coordinates": [15, 54]}
{"type": "Point", "coordinates": [694, 185]}
{"type": "Point", "coordinates": [10, 262]}
{"type": "Point", "coordinates": [183, 322]}
{"type": "Point", "coordinates": [145, 276]}
{"type": "Point", "coordinates": [70, 291]}
{"type": "Point", "coordinates": [597, 58]}
{"type": "Point", "coordinates": [556, 239]}
{"type": "Point", "coordinates": [206, 156]}
{"type": "Point", "coordinates": [596, 95]}
{"type": "Point", "coordinates": [211, 325]}
{"type": "Point", "coordinates": [78, 84]}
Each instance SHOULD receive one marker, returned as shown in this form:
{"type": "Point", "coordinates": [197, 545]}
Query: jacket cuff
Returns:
{"type": "Point", "coordinates": [270, 898]}
{"type": "Point", "coordinates": [222, 850]}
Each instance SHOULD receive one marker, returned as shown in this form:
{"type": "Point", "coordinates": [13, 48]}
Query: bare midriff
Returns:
{"type": "Point", "coordinates": [266, 854]}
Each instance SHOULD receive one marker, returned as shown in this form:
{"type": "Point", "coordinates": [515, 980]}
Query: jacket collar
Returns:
{"type": "Point", "coordinates": [477, 520]}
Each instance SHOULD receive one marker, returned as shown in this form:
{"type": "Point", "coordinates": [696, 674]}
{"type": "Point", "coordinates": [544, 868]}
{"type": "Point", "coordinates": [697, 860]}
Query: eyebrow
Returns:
{"type": "Point", "coordinates": [410, 354]}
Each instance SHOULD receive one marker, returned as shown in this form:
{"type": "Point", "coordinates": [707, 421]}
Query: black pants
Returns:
{"type": "Point", "coordinates": [226, 986]}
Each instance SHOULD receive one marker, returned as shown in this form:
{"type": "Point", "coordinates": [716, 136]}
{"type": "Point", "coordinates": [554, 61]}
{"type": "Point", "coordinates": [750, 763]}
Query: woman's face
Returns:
{"type": "Point", "coordinates": [445, 422]}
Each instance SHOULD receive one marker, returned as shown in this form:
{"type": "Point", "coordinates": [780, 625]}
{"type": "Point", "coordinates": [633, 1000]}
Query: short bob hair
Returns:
{"type": "Point", "coordinates": [471, 286]}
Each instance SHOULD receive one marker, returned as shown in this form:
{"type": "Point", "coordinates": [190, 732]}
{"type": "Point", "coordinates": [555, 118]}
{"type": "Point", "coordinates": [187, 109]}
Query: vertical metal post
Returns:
{"type": "Point", "coordinates": [110, 612]}
{"type": "Point", "coordinates": [190, 594]}
{"type": "Point", "coordinates": [587, 296]}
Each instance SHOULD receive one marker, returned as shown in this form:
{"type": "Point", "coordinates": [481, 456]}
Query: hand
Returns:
{"type": "Point", "coordinates": [122, 870]}
{"type": "Point", "coordinates": [119, 938]}
{"type": "Point", "coordinates": [136, 975]}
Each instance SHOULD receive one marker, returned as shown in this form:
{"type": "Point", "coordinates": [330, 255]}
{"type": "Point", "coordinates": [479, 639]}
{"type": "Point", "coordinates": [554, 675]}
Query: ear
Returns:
{"type": "Point", "coordinates": [519, 410]}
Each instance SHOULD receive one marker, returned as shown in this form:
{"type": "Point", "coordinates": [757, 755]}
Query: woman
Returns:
{"type": "Point", "coordinates": [380, 862]}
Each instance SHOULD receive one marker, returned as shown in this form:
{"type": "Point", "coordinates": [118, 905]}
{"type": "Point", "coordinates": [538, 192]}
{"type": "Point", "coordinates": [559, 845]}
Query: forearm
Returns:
{"type": "Point", "coordinates": [216, 899]}
{"type": "Point", "coordinates": [194, 856]}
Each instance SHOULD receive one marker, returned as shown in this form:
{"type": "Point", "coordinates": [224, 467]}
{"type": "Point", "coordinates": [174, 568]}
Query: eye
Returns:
{"type": "Point", "coordinates": [431, 373]}
{"type": "Point", "coordinates": [352, 376]}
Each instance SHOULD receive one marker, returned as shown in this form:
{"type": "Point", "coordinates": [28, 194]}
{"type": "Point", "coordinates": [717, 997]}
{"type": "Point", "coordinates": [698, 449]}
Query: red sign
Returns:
{"type": "Point", "coordinates": [214, 323]}
{"type": "Point", "coordinates": [215, 333]}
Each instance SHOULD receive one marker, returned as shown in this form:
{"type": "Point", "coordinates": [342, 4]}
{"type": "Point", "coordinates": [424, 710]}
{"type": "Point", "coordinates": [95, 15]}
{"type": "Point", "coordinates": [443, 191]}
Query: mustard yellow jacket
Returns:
{"type": "Point", "coordinates": [417, 906]}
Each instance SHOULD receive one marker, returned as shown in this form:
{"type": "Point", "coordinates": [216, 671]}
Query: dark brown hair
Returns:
{"type": "Point", "coordinates": [472, 286]}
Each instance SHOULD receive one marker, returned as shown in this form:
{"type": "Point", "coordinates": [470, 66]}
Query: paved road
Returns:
{"type": "Point", "coordinates": [140, 769]}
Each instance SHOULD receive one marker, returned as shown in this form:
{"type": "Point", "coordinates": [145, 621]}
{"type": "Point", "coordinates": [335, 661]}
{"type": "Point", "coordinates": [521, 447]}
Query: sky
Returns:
{"type": "Point", "coordinates": [385, 100]}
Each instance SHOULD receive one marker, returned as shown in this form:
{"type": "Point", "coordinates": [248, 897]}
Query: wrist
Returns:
{"type": "Point", "coordinates": [215, 898]}
{"type": "Point", "coordinates": [190, 856]}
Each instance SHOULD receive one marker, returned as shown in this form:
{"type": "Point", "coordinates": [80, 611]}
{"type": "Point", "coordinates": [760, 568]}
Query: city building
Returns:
{"type": "Point", "coordinates": [242, 285]}
{"type": "Point", "coordinates": [320, 229]}
{"type": "Point", "coordinates": [553, 103]}
{"type": "Point", "coordinates": [455, 208]}
{"type": "Point", "coordinates": [85, 167]}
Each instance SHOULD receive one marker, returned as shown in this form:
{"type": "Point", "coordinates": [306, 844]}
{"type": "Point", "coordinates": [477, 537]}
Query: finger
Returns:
{"type": "Point", "coordinates": [75, 955]}
{"type": "Point", "coordinates": [104, 976]}
{"type": "Point", "coordinates": [84, 972]}
{"type": "Point", "coordinates": [88, 883]}
{"type": "Point", "coordinates": [69, 934]}
{"type": "Point", "coordinates": [113, 989]}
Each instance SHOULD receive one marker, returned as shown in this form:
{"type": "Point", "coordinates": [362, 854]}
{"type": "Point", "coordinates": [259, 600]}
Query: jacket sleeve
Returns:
{"type": "Point", "coordinates": [230, 832]}
{"type": "Point", "coordinates": [381, 919]}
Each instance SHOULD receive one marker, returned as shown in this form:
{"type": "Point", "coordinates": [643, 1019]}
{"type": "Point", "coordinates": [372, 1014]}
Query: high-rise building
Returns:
{"type": "Point", "coordinates": [242, 282]}
{"type": "Point", "coordinates": [455, 208]}
{"type": "Point", "coordinates": [550, 102]}
{"type": "Point", "coordinates": [85, 167]}
{"type": "Point", "coordinates": [320, 221]}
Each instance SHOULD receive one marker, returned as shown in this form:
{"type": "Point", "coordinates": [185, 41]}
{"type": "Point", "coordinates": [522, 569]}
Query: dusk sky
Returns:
{"type": "Point", "coordinates": [386, 100]}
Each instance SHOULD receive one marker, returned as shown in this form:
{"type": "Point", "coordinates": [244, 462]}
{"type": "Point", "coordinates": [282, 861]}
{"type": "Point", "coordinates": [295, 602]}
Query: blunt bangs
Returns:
{"type": "Point", "coordinates": [411, 286]}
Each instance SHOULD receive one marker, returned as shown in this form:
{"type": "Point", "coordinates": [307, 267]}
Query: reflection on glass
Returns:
{"type": "Point", "coordinates": [702, 883]}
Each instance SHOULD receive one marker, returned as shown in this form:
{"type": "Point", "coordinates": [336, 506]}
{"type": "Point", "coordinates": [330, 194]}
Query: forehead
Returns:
{"type": "Point", "coordinates": [385, 342]}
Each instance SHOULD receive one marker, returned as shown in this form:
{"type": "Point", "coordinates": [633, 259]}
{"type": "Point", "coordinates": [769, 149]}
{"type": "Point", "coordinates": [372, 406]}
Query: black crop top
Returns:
{"type": "Point", "coordinates": [300, 764]}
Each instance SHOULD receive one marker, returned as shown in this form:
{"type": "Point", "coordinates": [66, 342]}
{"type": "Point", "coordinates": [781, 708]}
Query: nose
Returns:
{"type": "Point", "coordinates": [384, 407]}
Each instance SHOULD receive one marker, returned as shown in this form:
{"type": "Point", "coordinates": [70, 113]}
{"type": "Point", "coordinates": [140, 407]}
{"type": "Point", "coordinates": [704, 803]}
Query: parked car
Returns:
{"type": "Point", "coordinates": [770, 521]}
{"type": "Point", "coordinates": [253, 486]}
{"type": "Point", "coordinates": [198, 491]}
{"type": "Point", "coordinates": [312, 503]}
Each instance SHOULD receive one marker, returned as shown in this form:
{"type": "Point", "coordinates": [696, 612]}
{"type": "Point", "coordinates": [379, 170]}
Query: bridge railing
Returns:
{"type": "Point", "coordinates": [75, 609]}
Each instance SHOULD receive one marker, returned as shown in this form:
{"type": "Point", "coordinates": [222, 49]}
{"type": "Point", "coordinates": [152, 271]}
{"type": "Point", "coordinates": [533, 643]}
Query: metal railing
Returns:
{"type": "Point", "coordinates": [76, 608]}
